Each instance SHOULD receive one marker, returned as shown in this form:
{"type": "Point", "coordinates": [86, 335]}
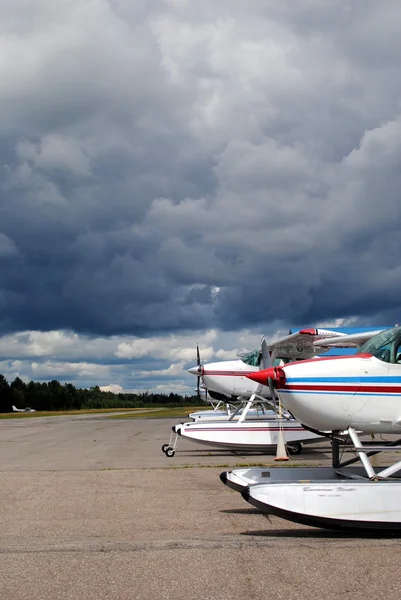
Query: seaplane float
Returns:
{"type": "Point", "coordinates": [252, 426]}
{"type": "Point", "coordinates": [341, 398]}
{"type": "Point", "coordinates": [254, 433]}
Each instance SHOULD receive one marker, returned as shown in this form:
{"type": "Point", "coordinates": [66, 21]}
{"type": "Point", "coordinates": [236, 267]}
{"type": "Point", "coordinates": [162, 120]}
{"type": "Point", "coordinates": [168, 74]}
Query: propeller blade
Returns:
{"type": "Point", "coordinates": [198, 362]}
{"type": "Point", "coordinates": [266, 361]}
{"type": "Point", "coordinates": [272, 389]}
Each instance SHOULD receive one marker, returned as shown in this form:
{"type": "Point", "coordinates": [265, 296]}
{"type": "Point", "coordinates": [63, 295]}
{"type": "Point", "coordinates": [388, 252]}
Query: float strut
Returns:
{"type": "Point", "coordinates": [363, 457]}
{"type": "Point", "coordinates": [335, 452]}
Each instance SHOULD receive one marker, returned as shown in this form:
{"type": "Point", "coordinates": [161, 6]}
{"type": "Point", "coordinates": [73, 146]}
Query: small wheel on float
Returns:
{"type": "Point", "coordinates": [170, 452]}
{"type": "Point", "coordinates": [294, 448]}
{"type": "Point", "coordinates": [164, 447]}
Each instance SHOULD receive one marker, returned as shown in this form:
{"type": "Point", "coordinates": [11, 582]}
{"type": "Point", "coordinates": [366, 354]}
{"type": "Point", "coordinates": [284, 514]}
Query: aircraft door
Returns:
{"type": "Point", "coordinates": [243, 386]}
{"type": "Point", "coordinates": [354, 400]}
{"type": "Point", "coordinates": [365, 403]}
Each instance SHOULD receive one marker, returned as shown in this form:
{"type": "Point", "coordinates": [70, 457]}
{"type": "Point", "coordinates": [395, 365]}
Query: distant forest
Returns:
{"type": "Point", "coordinates": [53, 395]}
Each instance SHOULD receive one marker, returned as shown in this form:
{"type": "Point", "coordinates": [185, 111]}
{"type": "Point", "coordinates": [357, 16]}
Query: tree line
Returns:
{"type": "Point", "coordinates": [53, 396]}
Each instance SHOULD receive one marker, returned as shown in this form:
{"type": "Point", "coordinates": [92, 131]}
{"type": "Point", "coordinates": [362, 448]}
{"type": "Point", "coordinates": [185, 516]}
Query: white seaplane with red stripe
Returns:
{"type": "Point", "coordinates": [228, 379]}
{"type": "Point", "coordinates": [248, 428]}
{"type": "Point", "coordinates": [226, 382]}
{"type": "Point", "coordinates": [332, 396]}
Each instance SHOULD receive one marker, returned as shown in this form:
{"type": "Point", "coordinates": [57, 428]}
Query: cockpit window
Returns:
{"type": "Point", "coordinates": [252, 358]}
{"type": "Point", "coordinates": [385, 346]}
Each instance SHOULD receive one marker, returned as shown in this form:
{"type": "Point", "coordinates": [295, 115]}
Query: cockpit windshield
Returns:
{"type": "Point", "coordinates": [385, 346]}
{"type": "Point", "coordinates": [252, 358]}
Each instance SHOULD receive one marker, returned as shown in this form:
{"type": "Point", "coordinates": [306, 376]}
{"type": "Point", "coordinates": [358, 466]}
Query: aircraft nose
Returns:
{"type": "Point", "coordinates": [195, 370]}
{"type": "Point", "coordinates": [277, 374]}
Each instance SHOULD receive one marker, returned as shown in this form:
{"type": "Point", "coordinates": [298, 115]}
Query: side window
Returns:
{"type": "Point", "coordinates": [252, 358]}
{"type": "Point", "coordinates": [384, 353]}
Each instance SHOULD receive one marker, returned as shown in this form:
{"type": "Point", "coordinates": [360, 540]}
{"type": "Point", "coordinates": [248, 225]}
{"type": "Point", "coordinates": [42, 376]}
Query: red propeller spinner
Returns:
{"type": "Point", "coordinates": [275, 373]}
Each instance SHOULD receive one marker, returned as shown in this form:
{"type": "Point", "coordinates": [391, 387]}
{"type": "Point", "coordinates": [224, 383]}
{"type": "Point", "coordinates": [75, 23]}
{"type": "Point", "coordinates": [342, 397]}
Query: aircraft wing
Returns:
{"type": "Point", "coordinates": [354, 340]}
{"type": "Point", "coordinates": [301, 345]}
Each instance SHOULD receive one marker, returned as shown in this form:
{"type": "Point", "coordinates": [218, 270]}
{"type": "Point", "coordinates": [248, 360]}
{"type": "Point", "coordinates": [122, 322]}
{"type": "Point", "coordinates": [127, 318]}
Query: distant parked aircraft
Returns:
{"type": "Point", "coordinates": [27, 409]}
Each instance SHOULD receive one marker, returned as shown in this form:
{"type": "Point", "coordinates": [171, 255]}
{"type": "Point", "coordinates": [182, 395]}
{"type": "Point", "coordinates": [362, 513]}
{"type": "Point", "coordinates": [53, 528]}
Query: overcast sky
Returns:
{"type": "Point", "coordinates": [176, 171]}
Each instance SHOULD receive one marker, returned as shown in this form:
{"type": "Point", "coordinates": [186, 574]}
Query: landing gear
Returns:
{"type": "Point", "coordinates": [169, 449]}
{"type": "Point", "coordinates": [294, 447]}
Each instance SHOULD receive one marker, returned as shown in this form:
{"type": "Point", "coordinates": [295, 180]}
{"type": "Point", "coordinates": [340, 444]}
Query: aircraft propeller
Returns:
{"type": "Point", "coordinates": [199, 365]}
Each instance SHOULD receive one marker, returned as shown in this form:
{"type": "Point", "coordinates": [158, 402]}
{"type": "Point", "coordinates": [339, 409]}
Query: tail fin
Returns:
{"type": "Point", "coordinates": [15, 409]}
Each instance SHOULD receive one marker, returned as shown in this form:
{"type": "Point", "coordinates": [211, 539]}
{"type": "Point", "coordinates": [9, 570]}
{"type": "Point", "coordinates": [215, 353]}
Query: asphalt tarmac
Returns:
{"type": "Point", "coordinates": [90, 508]}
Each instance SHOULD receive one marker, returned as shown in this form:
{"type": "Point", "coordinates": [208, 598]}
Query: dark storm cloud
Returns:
{"type": "Point", "coordinates": [168, 167]}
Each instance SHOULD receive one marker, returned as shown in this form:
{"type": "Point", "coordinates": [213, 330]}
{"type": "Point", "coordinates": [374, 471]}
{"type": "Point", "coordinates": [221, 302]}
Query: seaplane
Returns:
{"type": "Point", "coordinates": [227, 380]}
{"type": "Point", "coordinates": [340, 398]}
{"type": "Point", "coordinates": [252, 426]}
{"type": "Point", "coordinates": [27, 409]}
{"type": "Point", "coordinates": [227, 399]}
{"type": "Point", "coordinates": [226, 383]}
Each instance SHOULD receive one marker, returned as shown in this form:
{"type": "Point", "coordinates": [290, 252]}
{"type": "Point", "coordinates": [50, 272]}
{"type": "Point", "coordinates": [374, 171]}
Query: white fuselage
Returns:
{"type": "Point", "coordinates": [229, 377]}
{"type": "Point", "coordinates": [359, 391]}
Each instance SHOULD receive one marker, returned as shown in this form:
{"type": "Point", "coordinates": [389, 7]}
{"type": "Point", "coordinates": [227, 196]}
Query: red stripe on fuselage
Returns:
{"type": "Point", "coordinates": [228, 373]}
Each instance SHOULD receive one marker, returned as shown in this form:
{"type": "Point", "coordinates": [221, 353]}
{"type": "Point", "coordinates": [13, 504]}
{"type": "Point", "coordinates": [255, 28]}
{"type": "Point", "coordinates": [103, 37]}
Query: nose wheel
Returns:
{"type": "Point", "coordinates": [169, 449]}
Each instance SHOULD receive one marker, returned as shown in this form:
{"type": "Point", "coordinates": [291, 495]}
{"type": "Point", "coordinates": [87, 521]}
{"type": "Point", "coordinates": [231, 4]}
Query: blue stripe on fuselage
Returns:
{"type": "Point", "coordinates": [361, 379]}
